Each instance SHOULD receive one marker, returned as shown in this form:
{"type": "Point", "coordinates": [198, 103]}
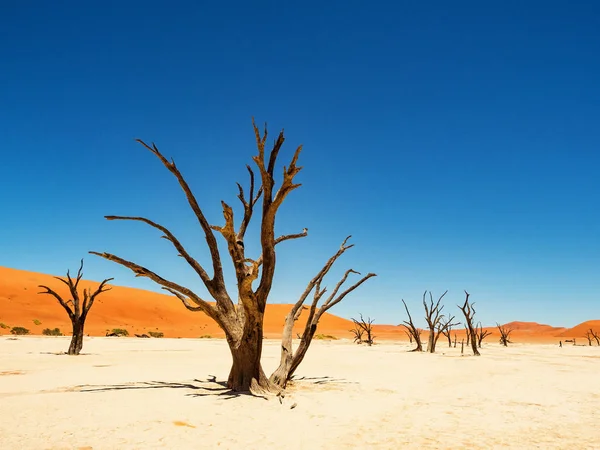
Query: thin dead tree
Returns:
{"type": "Point", "coordinates": [409, 334]}
{"type": "Point", "coordinates": [481, 334]}
{"type": "Point", "coordinates": [241, 322]}
{"type": "Point", "coordinates": [504, 334]}
{"type": "Point", "coordinates": [367, 327]}
{"type": "Point", "coordinates": [469, 312]}
{"type": "Point", "coordinates": [433, 316]}
{"type": "Point", "coordinates": [290, 359]}
{"type": "Point", "coordinates": [414, 331]}
{"type": "Point", "coordinates": [589, 337]}
{"type": "Point", "coordinates": [76, 308]}
{"type": "Point", "coordinates": [468, 335]}
{"type": "Point", "coordinates": [358, 333]}
{"type": "Point", "coordinates": [444, 328]}
{"type": "Point", "coordinates": [596, 336]}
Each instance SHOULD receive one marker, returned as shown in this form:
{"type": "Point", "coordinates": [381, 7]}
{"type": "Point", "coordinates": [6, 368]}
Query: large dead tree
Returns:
{"type": "Point", "coordinates": [504, 334]}
{"type": "Point", "coordinates": [242, 322]}
{"type": "Point", "coordinates": [433, 316]}
{"type": "Point", "coordinates": [290, 359]}
{"type": "Point", "coordinates": [468, 311]}
{"type": "Point", "coordinates": [413, 330]}
{"type": "Point", "coordinates": [75, 307]}
{"type": "Point", "coordinates": [481, 334]}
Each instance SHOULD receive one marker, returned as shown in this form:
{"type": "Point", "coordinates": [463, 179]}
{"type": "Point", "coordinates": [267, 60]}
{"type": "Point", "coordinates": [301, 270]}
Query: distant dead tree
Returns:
{"type": "Point", "coordinates": [447, 330]}
{"type": "Point", "coordinates": [75, 307]}
{"type": "Point", "coordinates": [588, 335]}
{"type": "Point", "coordinates": [243, 322]}
{"type": "Point", "coordinates": [409, 334]}
{"type": "Point", "coordinates": [504, 334]}
{"type": "Point", "coordinates": [414, 331]}
{"type": "Point", "coordinates": [358, 333]}
{"type": "Point", "coordinates": [468, 335]}
{"type": "Point", "coordinates": [481, 334]}
{"type": "Point", "coordinates": [469, 312]}
{"type": "Point", "coordinates": [367, 327]}
{"type": "Point", "coordinates": [596, 336]}
{"type": "Point", "coordinates": [290, 359]}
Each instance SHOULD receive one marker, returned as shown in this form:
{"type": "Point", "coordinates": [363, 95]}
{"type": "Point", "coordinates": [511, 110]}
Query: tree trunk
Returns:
{"type": "Point", "coordinates": [246, 372]}
{"type": "Point", "coordinates": [77, 337]}
{"type": "Point", "coordinates": [431, 342]}
{"type": "Point", "coordinates": [289, 363]}
{"type": "Point", "coordinates": [473, 339]}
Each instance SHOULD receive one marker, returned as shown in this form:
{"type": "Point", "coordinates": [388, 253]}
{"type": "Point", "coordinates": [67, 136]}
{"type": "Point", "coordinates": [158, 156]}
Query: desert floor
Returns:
{"type": "Point", "coordinates": [128, 393]}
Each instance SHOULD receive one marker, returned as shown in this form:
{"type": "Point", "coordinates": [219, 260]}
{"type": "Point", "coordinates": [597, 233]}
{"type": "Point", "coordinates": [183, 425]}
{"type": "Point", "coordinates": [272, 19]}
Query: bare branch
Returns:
{"type": "Point", "coordinates": [143, 272]}
{"type": "Point", "coordinates": [209, 236]}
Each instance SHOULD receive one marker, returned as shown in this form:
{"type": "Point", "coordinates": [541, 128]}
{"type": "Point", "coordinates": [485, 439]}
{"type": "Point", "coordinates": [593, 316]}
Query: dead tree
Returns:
{"type": "Point", "coordinates": [414, 331]}
{"type": "Point", "coordinates": [468, 335]}
{"type": "Point", "coordinates": [445, 327]}
{"type": "Point", "coordinates": [367, 327]}
{"type": "Point", "coordinates": [358, 333]}
{"type": "Point", "coordinates": [290, 359]}
{"type": "Point", "coordinates": [241, 322]}
{"type": "Point", "coordinates": [481, 334]}
{"type": "Point", "coordinates": [504, 334]}
{"type": "Point", "coordinates": [75, 308]}
{"type": "Point", "coordinates": [447, 330]}
{"type": "Point", "coordinates": [433, 316]}
{"type": "Point", "coordinates": [596, 336]}
{"type": "Point", "coordinates": [588, 335]}
{"type": "Point", "coordinates": [409, 334]}
{"type": "Point", "coordinates": [469, 312]}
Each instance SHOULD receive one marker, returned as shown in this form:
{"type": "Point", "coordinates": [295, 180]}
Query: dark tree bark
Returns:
{"type": "Point", "coordinates": [481, 334]}
{"type": "Point", "coordinates": [414, 331]}
{"type": "Point", "coordinates": [75, 308]}
{"type": "Point", "coordinates": [504, 334]}
{"type": "Point", "coordinates": [241, 322]}
{"type": "Point", "coordinates": [290, 359]}
{"type": "Point", "coordinates": [469, 312]}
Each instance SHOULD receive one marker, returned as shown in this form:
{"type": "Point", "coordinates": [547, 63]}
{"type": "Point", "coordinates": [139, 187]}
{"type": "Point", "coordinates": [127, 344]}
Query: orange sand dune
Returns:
{"type": "Point", "coordinates": [139, 311]}
{"type": "Point", "coordinates": [136, 310]}
{"type": "Point", "coordinates": [581, 329]}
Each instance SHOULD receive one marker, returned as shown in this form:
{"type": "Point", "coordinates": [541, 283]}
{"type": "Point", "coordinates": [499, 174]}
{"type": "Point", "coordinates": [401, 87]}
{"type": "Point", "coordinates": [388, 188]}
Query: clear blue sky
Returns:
{"type": "Point", "coordinates": [458, 142]}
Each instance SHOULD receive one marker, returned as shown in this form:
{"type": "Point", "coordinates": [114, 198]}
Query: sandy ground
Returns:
{"type": "Point", "coordinates": [128, 393]}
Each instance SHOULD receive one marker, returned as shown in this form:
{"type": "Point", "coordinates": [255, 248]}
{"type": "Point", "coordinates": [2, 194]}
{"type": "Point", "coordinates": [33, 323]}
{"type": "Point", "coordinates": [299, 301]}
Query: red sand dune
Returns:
{"type": "Point", "coordinates": [140, 311]}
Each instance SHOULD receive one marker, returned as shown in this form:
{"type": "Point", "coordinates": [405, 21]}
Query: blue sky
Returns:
{"type": "Point", "coordinates": [456, 141]}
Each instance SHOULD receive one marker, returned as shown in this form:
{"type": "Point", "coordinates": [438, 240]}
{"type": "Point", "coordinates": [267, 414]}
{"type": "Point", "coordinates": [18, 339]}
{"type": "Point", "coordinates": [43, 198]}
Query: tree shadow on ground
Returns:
{"type": "Point", "coordinates": [199, 388]}
{"type": "Point", "coordinates": [322, 380]}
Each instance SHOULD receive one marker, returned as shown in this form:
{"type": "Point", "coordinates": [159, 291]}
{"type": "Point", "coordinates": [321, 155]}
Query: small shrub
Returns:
{"type": "Point", "coordinates": [51, 332]}
{"type": "Point", "coordinates": [206, 336]}
{"type": "Point", "coordinates": [19, 331]}
{"type": "Point", "coordinates": [4, 326]}
{"type": "Point", "coordinates": [325, 336]}
{"type": "Point", "coordinates": [36, 322]}
{"type": "Point", "coordinates": [156, 334]}
{"type": "Point", "coordinates": [120, 332]}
